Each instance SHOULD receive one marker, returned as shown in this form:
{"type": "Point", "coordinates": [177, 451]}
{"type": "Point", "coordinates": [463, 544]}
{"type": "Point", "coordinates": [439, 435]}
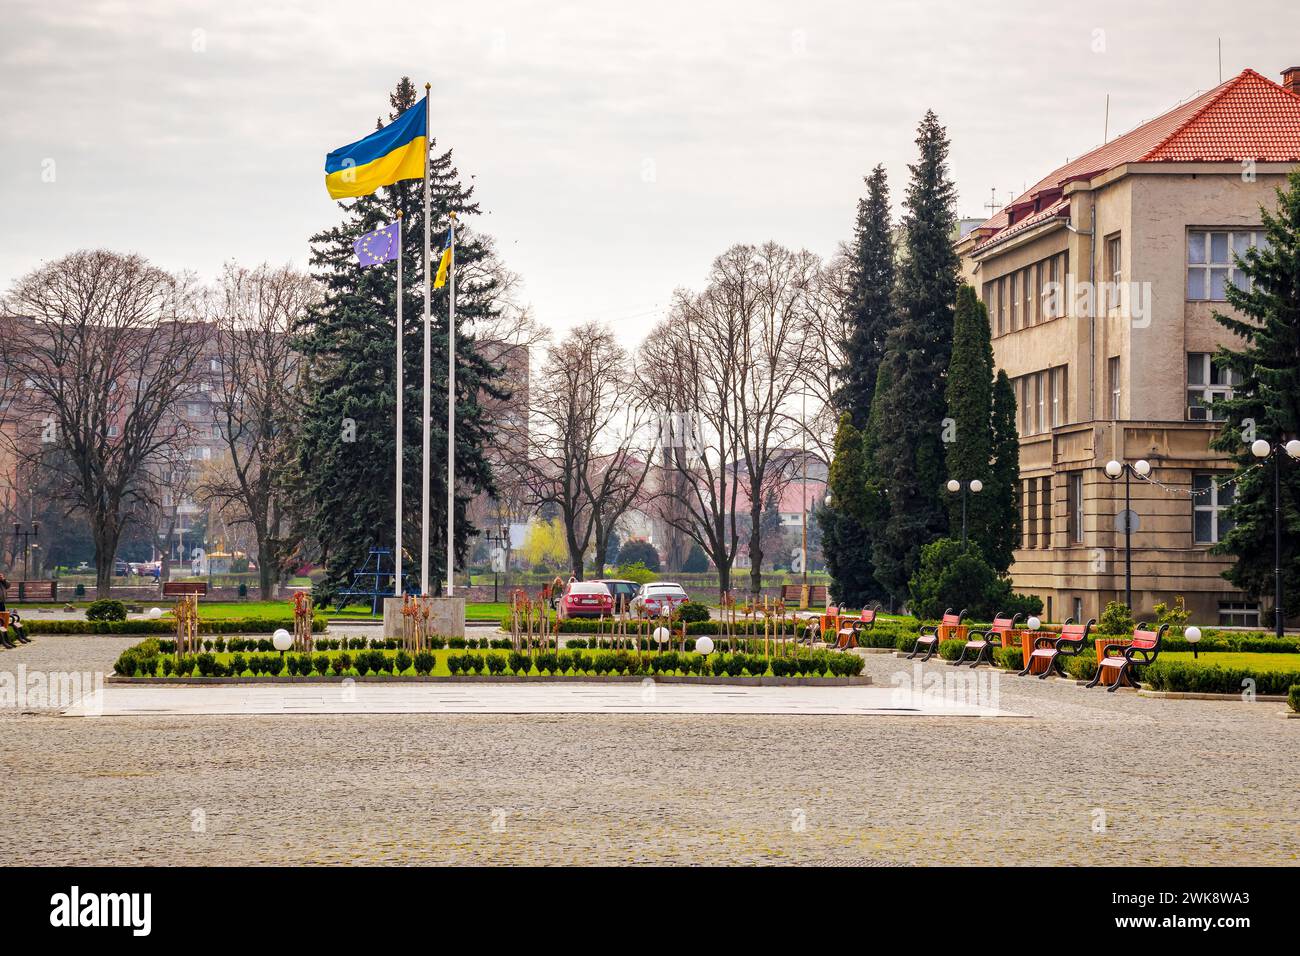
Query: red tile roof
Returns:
{"type": "Point", "coordinates": [1246, 117]}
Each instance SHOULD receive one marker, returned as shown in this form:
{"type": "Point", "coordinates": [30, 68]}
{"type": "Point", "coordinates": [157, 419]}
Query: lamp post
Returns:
{"type": "Point", "coordinates": [1114, 470]}
{"type": "Point", "coordinates": [974, 486]}
{"type": "Point", "coordinates": [1261, 449]}
{"type": "Point", "coordinates": [26, 536]}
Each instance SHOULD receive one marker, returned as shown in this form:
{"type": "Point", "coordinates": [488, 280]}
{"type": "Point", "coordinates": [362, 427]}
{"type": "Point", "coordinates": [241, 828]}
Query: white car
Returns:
{"type": "Point", "coordinates": [651, 600]}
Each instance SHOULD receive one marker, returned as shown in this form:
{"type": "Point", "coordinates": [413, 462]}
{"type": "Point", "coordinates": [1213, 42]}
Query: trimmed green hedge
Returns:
{"type": "Point", "coordinates": [951, 650]}
{"type": "Point", "coordinates": [1189, 677]}
{"type": "Point", "coordinates": [245, 625]}
{"type": "Point", "coordinates": [1293, 698]}
{"type": "Point", "coordinates": [1257, 643]}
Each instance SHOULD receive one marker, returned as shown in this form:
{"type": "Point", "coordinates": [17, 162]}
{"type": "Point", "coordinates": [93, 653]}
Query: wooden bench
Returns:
{"type": "Point", "coordinates": [793, 594]}
{"type": "Point", "coordinates": [847, 634]}
{"type": "Point", "coordinates": [47, 591]}
{"type": "Point", "coordinates": [932, 634]}
{"type": "Point", "coordinates": [11, 629]}
{"type": "Point", "coordinates": [179, 588]}
{"type": "Point", "coordinates": [1146, 646]}
{"type": "Point", "coordinates": [1050, 648]}
{"type": "Point", "coordinates": [982, 642]}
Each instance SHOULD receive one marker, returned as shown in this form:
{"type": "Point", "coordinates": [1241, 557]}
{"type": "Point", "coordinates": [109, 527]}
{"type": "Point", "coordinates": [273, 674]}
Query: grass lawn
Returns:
{"type": "Point", "coordinates": [1248, 661]}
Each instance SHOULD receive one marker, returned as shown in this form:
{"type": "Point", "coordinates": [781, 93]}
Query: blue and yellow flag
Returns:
{"type": "Point", "coordinates": [387, 155]}
{"type": "Point", "coordinates": [440, 279]}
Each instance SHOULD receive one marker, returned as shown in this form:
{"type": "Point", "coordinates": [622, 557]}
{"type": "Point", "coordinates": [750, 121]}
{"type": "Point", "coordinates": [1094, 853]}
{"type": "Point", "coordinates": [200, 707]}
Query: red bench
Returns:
{"type": "Point", "coordinates": [847, 636]}
{"type": "Point", "coordinates": [1146, 646]}
{"type": "Point", "coordinates": [177, 588]}
{"type": "Point", "coordinates": [1047, 647]}
{"type": "Point", "coordinates": [983, 642]}
{"type": "Point", "coordinates": [930, 633]}
{"type": "Point", "coordinates": [46, 591]}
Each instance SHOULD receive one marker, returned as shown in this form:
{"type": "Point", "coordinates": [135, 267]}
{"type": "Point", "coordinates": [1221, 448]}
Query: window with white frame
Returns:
{"type": "Point", "coordinates": [1059, 415]}
{"type": "Point", "coordinates": [1206, 383]}
{"type": "Point", "coordinates": [1115, 270]}
{"type": "Point", "coordinates": [1210, 265]}
{"type": "Point", "coordinates": [1239, 613]}
{"type": "Point", "coordinates": [1210, 501]}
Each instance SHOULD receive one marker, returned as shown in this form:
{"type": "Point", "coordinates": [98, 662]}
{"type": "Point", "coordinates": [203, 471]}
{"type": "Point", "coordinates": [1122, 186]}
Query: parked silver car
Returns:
{"type": "Point", "coordinates": [651, 600]}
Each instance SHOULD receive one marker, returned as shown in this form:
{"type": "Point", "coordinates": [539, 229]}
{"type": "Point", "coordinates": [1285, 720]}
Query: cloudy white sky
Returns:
{"type": "Point", "coordinates": [616, 147]}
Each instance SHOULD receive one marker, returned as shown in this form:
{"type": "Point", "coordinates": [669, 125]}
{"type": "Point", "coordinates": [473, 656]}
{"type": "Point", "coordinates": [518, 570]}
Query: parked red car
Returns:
{"type": "Point", "coordinates": [586, 599]}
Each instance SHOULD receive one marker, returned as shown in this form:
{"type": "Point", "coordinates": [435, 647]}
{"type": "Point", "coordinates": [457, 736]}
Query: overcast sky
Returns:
{"type": "Point", "coordinates": [616, 147]}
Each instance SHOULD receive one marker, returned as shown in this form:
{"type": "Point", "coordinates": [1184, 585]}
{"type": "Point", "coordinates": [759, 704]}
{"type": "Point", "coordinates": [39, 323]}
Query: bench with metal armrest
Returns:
{"type": "Point", "coordinates": [847, 634]}
{"type": "Point", "coordinates": [982, 642]}
{"type": "Point", "coordinates": [932, 634]}
{"type": "Point", "coordinates": [1144, 650]}
{"type": "Point", "coordinates": [1073, 638]}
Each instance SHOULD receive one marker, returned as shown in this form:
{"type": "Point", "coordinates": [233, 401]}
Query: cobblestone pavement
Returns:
{"type": "Point", "coordinates": [1192, 782]}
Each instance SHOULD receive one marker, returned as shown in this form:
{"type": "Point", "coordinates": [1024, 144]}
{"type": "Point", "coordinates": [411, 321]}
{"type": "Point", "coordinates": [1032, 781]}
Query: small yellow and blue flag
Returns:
{"type": "Point", "coordinates": [440, 279]}
{"type": "Point", "coordinates": [396, 152]}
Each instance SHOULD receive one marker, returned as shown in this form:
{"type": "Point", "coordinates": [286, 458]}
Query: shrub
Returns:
{"type": "Point", "coordinates": [274, 664]}
{"type": "Point", "coordinates": [454, 664]}
{"type": "Point", "coordinates": [184, 666]}
{"type": "Point", "coordinates": [496, 663]}
{"type": "Point", "coordinates": [402, 662]}
{"type": "Point", "coordinates": [603, 663]}
{"type": "Point", "coordinates": [951, 650]}
{"type": "Point", "coordinates": [127, 663]}
{"type": "Point", "coordinates": [519, 663]}
{"type": "Point", "coordinates": [637, 552]}
{"type": "Point", "coordinates": [341, 664]}
{"type": "Point", "coordinates": [1293, 697]}
{"type": "Point", "coordinates": [1192, 677]}
{"type": "Point", "coordinates": [238, 665]}
{"type": "Point", "coordinates": [1175, 615]}
{"type": "Point", "coordinates": [1116, 620]}
{"type": "Point", "coordinates": [206, 664]}
{"type": "Point", "coordinates": [575, 643]}
{"type": "Point", "coordinates": [425, 662]}
{"type": "Point", "coordinates": [692, 612]}
{"type": "Point", "coordinates": [321, 664]}
{"type": "Point", "coordinates": [106, 610]}
{"type": "Point", "coordinates": [1080, 666]}
{"type": "Point", "coordinates": [1009, 658]}
{"type": "Point", "coordinates": [472, 663]}
{"type": "Point", "coordinates": [168, 666]}
{"type": "Point", "coordinates": [956, 576]}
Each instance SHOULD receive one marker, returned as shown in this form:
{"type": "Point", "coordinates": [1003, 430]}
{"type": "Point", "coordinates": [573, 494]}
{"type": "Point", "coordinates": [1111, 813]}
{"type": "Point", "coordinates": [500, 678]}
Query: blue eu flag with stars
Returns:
{"type": "Point", "coordinates": [378, 246]}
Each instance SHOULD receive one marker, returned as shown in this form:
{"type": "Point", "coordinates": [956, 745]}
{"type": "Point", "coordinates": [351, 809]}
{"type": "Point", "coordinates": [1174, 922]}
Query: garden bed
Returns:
{"type": "Point", "coordinates": [769, 681]}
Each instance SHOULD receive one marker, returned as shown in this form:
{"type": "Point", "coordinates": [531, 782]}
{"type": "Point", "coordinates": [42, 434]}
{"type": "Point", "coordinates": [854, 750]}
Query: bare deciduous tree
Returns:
{"type": "Point", "coordinates": [257, 407]}
{"type": "Point", "coordinates": [106, 343]}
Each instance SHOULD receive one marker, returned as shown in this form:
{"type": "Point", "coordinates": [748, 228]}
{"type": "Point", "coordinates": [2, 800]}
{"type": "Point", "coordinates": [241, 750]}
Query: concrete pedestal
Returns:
{"type": "Point", "coordinates": [447, 620]}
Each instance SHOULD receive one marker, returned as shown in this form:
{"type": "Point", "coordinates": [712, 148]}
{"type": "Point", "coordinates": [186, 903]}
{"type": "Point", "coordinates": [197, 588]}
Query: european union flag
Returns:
{"type": "Point", "coordinates": [378, 246]}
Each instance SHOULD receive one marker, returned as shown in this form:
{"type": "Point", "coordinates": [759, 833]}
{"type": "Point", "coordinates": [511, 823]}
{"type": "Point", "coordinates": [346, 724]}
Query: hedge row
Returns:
{"type": "Point", "coordinates": [1188, 677]}
{"type": "Point", "coordinates": [238, 625]}
{"type": "Point", "coordinates": [1227, 641]}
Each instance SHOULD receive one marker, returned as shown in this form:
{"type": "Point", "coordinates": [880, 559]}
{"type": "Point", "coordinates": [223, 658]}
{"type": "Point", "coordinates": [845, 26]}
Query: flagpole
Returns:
{"type": "Point", "coordinates": [428, 296]}
{"type": "Point", "coordinates": [451, 412]}
{"type": "Point", "coordinates": [401, 395]}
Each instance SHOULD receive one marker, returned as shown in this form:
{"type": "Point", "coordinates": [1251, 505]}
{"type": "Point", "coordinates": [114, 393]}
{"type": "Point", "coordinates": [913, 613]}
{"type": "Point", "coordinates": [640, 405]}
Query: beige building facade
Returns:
{"type": "Point", "coordinates": [1101, 283]}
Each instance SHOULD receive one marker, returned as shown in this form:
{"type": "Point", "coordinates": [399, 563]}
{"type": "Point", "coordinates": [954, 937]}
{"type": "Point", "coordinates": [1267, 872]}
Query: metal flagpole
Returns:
{"type": "Point", "coordinates": [397, 534]}
{"type": "Point", "coordinates": [451, 411]}
{"type": "Point", "coordinates": [428, 296]}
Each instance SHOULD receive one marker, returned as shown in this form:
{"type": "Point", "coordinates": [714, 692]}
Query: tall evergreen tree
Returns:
{"type": "Point", "coordinates": [347, 448]}
{"type": "Point", "coordinates": [846, 547]}
{"type": "Point", "coordinates": [869, 310]}
{"type": "Point", "coordinates": [969, 396]}
{"type": "Point", "coordinates": [1002, 534]}
{"type": "Point", "coordinates": [909, 456]}
{"type": "Point", "coordinates": [1266, 404]}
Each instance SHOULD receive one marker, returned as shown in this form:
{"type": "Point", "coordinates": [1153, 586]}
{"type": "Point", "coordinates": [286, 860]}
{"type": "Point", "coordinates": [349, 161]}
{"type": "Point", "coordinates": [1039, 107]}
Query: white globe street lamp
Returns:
{"type": "Point", "coordinates": [704, 645]}
{"type": "Point", "coordinates": [1193, 635]}
{"type": "Point", "coordinates": [1261, 449]}
{"type": "Point", "coordinates": [282, 640]}
{"type": "Point", "coordinates": [1114, 469]}
{"type": "Point", "coordinates": [662, 636]}
{"type": "Point", "coordinates": [974, 486]}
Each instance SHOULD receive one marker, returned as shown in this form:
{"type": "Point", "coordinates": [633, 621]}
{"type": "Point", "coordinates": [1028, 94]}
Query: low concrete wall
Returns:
{"type": "Point", "coordinates": [447, 619]}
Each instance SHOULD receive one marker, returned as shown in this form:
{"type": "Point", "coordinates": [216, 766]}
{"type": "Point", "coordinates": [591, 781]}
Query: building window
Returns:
{"type": "Point", "coordinates": [1031, 514]}
{"type": "Point", "coordinates": [1053, 295]}
{"type": "Point", "coordinates": [1074, 501]}
{"type": "Point", "coordinates": [1040, 382]}
{"type": "Point", "coordinates": [1015, 301]}
{"type": "Point", "coordinates": [1114, 270]}
{"type": "Point", "coordinates": [1029, 284]}
{"type": "Point", "coordinates": [1210, 501]}
{"type": "Point", "coordinates": [1078, 610]}
{"type": "Point", "coordinates": [1046, 497]}
{"type": "Point", "coordinates": [1112, 376]}
{"type": "Point", "coordinates": [1206, 383]}
{"type": "Point", "coordinates": [1059, 416]}
{"type": "Point", "coordinates": [1239, 613]}
{"type": "Point", "coordinates": [1209, 261]}
{"type": "Point", "coordinates": [1002, 304]}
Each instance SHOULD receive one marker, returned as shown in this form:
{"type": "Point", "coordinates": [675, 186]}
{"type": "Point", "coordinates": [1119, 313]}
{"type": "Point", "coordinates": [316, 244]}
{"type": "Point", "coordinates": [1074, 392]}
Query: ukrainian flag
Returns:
{"type": "Point", "coordinates": [444, 264]}
{"type": "Point", "coordinates": [396, 152]}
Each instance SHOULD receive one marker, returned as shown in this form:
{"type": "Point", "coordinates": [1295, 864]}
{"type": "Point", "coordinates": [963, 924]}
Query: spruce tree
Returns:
{"type": "Point", "coordinates": [869, 311]}
{"type": "Point", "coordinates": [969, 396]}
{"type": "Point", "coordinates": [1266, 403]}
{"type": "Point", "coordinates": [1002, 533]}
{"type": "Point", "coordinates": [846, 548]}
{"type": "Point", "coordinates": [347, 448]}
{"type": "Point", "coordinates": [909, 456]}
